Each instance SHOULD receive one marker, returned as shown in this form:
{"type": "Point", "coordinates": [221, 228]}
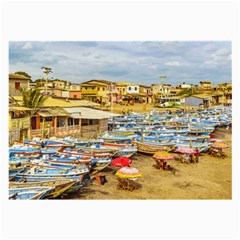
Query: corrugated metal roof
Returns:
{"type": "Point", "coordinates": [84, 103]}
{"type": "Point", "coordinates": [49, 112]}
{"type": "Point", "coordinates": [89, 113]}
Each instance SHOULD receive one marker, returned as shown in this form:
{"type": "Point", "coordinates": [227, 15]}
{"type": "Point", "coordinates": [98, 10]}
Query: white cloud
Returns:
{"type": "Point", "coordinates": [172, 63]}
{"type": "Point", "coordinates": [27, 45]}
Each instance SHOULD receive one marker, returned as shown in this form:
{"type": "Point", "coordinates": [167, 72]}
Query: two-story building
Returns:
{"type": "Point", "coordinates": [146, 91]}
{"type": "Point", "coordinates": [205, 85]}
{"type": "Point", "coordinates": [101, 91]}
{"type": "Point", "coordinates": [17, 81]}
{"type": "Point", "coordinates": [223, 94]}
{"type": "Point", "coordinates": [74, 91]}
{"type": "Point", "coordinates": [59, 84]}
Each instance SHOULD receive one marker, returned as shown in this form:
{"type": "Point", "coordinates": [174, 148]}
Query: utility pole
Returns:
{"type": "Point", "coordinates": [111, 97]}
{"type": "Point", "coordinates": [162, 82]}
{"type": "Point", "coordinates": [47, 70]}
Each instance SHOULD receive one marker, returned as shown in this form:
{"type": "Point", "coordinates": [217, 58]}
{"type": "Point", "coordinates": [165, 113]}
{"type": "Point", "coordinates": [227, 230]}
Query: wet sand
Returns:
{"type": "Point", "coordinates": [211, 178]}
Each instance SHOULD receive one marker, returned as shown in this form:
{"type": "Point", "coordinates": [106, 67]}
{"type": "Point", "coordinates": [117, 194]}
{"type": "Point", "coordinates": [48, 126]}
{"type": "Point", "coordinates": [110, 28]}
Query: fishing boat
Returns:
{"type": "Point", "coordinates": [60, 186]}
{"type": "Point", "coordinates": [150, 148]}
{"type": "Point", "coordinates": [126, 151]}
{"type": "Point", "coordinates": [29, 193]}
{"type": "Point", "coordinates": [40, 173]}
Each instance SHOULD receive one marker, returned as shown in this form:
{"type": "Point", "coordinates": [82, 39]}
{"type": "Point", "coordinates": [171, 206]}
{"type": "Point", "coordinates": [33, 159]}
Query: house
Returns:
{"type": "Point", "coordinates": [93, 121]}
{"type": "Point", "coordinates": [59, 83]}
{"type": "Point", "coordinates": [199, 100]}
{"type": "Point", "coordinates": [147, 93]}
{"type": "Point", "coordinates": [122, 89]}
{"type": "Point", "coordinates": [17, 81]}
{"type": "Point", "coordinates": [185, 86]}
{"type": "Point", "coordinates": [70, 93]}
{"type": "Point", "coordinates": [223, 94]}
{"type": "Point", "coordinates": [205, 85]}
{"type": "Point", "coordinates": [19, 123]}
{"type": "Point", "coordinates": [99, 91]}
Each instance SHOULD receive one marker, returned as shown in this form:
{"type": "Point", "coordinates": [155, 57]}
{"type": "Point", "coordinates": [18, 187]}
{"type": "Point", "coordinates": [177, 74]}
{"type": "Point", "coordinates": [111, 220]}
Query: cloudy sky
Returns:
{"type": "Point", "coordinates": [138, 62]}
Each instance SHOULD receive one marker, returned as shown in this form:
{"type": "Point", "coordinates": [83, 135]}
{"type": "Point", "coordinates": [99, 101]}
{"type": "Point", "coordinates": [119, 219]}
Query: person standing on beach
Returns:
{"type": "Point", "coordinates": [197, 154]}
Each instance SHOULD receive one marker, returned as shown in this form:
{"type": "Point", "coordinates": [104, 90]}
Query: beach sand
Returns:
{"type": "Point", "coordinates": [211, 178]}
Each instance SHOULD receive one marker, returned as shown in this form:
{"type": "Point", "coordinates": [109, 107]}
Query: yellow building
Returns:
{"type": "Point", "coordinates": [146, 92]}
{"type": "Point", "coordinates": [205, 84]}
{"type": "Point", "coordinates": [99, 91]}
{"type": "Point", "coordinates": [19, 123]}
{"type": "Point", "coordinates": [223, 94]}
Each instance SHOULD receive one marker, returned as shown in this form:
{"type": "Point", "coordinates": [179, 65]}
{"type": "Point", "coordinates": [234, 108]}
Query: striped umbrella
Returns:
{"type": "Point", "coordinates": [163, 155]}
{"type": "Point", "coordinates": [128, 172]}
{"type": "Point", "coordinates": [185, 150]}
{"type": "Point", "coordinates": [219, 145]}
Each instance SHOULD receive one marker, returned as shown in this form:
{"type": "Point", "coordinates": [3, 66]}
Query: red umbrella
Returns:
{"type": "Point", "coordinates": [121, 162]}
{"type": "Point", "coordinates": [186, 150]}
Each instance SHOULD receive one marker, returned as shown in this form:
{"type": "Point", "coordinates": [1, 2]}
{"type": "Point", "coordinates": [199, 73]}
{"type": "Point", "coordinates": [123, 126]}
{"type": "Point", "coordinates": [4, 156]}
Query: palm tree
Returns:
{"type": "Point", "coordinates": [33, 99]}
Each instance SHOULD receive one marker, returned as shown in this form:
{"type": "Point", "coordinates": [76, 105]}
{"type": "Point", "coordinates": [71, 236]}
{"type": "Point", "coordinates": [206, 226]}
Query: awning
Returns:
{"type": "Point", "coordinates": [16, 108]}
{"type": "Point", "coordinates": [75, 115]}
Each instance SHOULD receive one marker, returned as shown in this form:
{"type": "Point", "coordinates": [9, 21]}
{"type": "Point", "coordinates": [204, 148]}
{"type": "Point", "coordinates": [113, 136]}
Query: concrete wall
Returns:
{"type": "Point", "coordinates": [15, 92]}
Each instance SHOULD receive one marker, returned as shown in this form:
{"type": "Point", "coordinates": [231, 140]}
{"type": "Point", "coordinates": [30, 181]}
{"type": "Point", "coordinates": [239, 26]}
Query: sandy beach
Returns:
{"type": "Point", "coordinates": [211, 178]}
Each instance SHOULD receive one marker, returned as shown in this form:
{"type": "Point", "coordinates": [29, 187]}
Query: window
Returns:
{"type": "Point", "coordinates": [85, 88]}
{"type": "Point", "coordinates": [93, 88]}
{"type": "Point", "coordinates": [74, 96]}
{"type": "Point", "coordinates": [123, 89]}
{"type": "Point", "coordinates": [98, 89]}
{"type": "Point", "coordinates": [17, 85]}
{"type": "Point", "coordinates": [135, 88]}
{"type": "Point", "coordinates": [103, 89]}
{"type": "Point", "coordinates": [129, 88]}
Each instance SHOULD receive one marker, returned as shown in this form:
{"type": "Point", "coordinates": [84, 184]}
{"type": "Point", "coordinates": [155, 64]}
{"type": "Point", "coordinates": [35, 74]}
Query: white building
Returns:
{"type": "Point", "coordinates": [186, 86]}
{"type": "Point", "coordinates": [133, 89]}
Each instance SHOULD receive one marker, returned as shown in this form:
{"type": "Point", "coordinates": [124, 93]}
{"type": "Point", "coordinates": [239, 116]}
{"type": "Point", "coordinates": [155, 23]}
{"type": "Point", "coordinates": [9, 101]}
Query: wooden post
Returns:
{"type": "Point", "coordinates": [43, 127]}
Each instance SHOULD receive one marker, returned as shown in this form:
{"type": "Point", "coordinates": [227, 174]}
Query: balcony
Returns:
{"type": "Point", "coordinates": [89, 92]}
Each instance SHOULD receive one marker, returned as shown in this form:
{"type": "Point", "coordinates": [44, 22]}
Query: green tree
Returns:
{"type": "Point", "coordinates": [23, 73]}
{"type": "Point", "coordinates": [33, 98]}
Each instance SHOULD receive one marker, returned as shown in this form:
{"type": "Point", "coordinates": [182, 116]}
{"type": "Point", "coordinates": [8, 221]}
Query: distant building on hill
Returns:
{"type": "Point", "coordinates": [205, 84]}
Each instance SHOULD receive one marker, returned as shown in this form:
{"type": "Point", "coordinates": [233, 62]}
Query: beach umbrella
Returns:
{"type": "Point", "coordinates": [219, 145]}
{"type": "Point", "coordinates": [121, 162]}
{"type": "Point", "coordinates": [163, 155]}
{"type": "Point", "coordinates": [128, 172]}
{"type": "Point", "coordinates": [186, 150]}
{"type": "Point", "coordinates": [215, 140]}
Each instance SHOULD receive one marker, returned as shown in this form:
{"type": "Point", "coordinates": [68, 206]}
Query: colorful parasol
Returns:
{"type": "Point", "coordinates": [185, 150]}
{"type": "Point", "coordinates": [128, 172]}
{"type": "Point", "coordinates": [121, 162]}
{"type": "Point", "coordinates": [215, 140]}
{"type": "Point", "coordinates": [219, 145]}
{"type": "Point", "coordinates": [163, 155]}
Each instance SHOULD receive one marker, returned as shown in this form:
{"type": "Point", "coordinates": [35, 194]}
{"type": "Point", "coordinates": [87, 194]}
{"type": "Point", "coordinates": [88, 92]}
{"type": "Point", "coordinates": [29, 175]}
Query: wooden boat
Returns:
{"type": "Point", "coordinates": [41, 172]}
{"type": "Point", "coordinates": [150, 147]}
{"type": "Point", "coordinates": [60, 186]}
{"type": "Point", "coordinates": [83, 154]}
{"type": "Point", "coordinates": [29, 193]}
{"type": "Point", "coordinates": [126, 151]}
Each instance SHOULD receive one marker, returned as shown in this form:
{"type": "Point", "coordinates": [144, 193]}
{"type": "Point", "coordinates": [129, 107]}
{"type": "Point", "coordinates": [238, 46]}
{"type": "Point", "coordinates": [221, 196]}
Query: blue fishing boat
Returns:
{"type": "Point", "coordinates": [29, 193]}
{"type": "Point", "coordinates": [40, 173]}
